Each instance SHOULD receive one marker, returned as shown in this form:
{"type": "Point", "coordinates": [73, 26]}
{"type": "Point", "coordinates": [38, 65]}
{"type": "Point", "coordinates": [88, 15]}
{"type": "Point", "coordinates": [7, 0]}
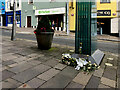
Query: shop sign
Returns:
{"type": "Point", "coordinates": [2, 7]}
{"type": "Point", "coordinates": [50, 11]}
{"type": "Point", "coordinates": [34, 7]}
{"type": "Point", "coordinates": [103, 12]}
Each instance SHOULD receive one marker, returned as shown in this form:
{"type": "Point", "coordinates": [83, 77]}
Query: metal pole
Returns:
{"type": "Point", "coordinates": [14, 22]}
{"type": "Point", "coordinates": [67, 12]}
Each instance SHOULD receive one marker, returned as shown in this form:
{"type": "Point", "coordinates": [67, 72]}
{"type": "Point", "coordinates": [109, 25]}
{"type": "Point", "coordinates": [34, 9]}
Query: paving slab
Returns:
{"type": "Point", "coordinates": [20, 59]}
{"type": "Point", "coordinates": [5, 68]}
{"type": "Point", "coordinates": [9, 57]}
{"type": "Point", "coordinates": [35, 83]}
{"type": "Point", "coordinates": [103, 86]}
{"type": "Point", "coordinates": [93, 82]}
{"type": "Point", "coordinates": [25, 52]}
{"type": "Point", "coordinates": [59, 81]}
{"type": "Point", "coordinates": [8, 62]}
{"type": "Point", "coordinates": [74, 85]}
{"type": "Point", "coordinates": [48, 74]}
{"type": "Point", "coordinates": [51, 62]}
{"type": "Point", "coordinates": [30, 59]}
{"type": "Point", "coordinates": [82, 78]}
{"type": "Point", "coordinates": [30, 73]}
{"type": "Point", "coordinates": [7, 74]}
{"type": "Point", "coordinates": [20, 67]}
{"type": "Point", "coordinates": [99, 72]}
{"type": "Point", "coordinates": [24, 86]}
{"type": "Point", "coordinates": [108, 82]}
{"type": "Point", "coordinates": [42, 59]}
{"type": "Point", "coordinates": [118, 82]}
{"type": "Point", "coordinates": [110, 73]}
{"type": "Point", "coordinates": [10, 83]}
{"type": "Point", "coordinates": [69, 72]}
{"type": "Point", "coordinates": [34, 62]}
{"type": "Point", "coordinates": [60, 66]}
{"type": "Point", "coordinates": [13, 65]}
{"type": "Point", "coordinates": [34, 55]}
{"type": "Point", "coordinates": [118, 71]}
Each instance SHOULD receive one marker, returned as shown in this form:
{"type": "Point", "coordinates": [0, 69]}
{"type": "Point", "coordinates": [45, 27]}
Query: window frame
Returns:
{"type": "Point", "coordinates": [10, 19]}
{"type": "Point", "coordinates": [18, 22]}
{"type": "Point", "coordinates": [30, 2]}
{"type": "Point", "coordinates": [18, 2]}
{"type": "Point", "coordinates": [101, 2]}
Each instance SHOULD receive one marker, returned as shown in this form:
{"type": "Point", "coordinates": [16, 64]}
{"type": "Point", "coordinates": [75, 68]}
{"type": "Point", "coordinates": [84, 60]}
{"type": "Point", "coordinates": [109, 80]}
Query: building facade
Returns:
{"type": "Point", "coordinates": [107, 16]}
{"type": "Point", "coordinates": [33, 10]}
{"type": "Point", "coordinates": [9, 13]}
{"type": "Point", "coordinates": [118, 11]}
{"type": "Point", "coordinates": [2, 12]}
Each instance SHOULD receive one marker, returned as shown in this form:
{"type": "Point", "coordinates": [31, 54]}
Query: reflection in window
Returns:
{"type": "Point", "coordinates": [30, 1]}
{"type": "Point", "coordinates": [18, 18]}
{"type": "Point", "coordinates": [104, 1]}
{"type": "Point", "coordinates": [9, 19]}
{"type": "Point", "coordinates": [17, 3]}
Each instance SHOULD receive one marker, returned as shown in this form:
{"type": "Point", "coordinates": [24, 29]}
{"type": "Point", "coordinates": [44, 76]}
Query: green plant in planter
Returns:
{"type": "Point", "coordinates": [44, 33]}
{"type": "Point", "coordinates": [43, 25]}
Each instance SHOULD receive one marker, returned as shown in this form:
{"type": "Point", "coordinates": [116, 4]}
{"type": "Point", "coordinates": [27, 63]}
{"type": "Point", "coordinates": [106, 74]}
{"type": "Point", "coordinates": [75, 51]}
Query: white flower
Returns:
{"type": "Point", "coordinates": [85, 62]}
{"type": "Point", "coordinates": [89, 67]}
{"type": "Point", "coordinates": [66, 55]}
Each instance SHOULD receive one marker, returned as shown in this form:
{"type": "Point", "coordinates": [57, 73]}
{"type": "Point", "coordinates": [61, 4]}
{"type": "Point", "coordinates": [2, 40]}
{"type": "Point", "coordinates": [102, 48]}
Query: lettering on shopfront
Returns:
{"type": "Point", "coordinates": [40, 12]}
{"type": "Point", "coordinates": [43, 12]}
{"type": "Point", "coordinates": [50, 11]}
{"type": "Point", "coordinates": [103, 12]}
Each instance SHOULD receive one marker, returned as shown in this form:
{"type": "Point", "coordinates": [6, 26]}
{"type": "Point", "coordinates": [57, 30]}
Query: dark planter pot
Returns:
{"type": "Point", "coordinates": [44, 40]}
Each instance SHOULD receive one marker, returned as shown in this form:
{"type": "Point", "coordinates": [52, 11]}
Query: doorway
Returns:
{"type": "Point", "coordinates": [28, 21]}
{"type": "Point", "coordinates": [105, 24]}
{"type": "Point", "coordinates": [4, 20]}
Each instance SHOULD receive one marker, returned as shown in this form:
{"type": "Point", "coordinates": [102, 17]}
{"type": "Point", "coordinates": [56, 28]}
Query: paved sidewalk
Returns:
{"type": "Point", "coordinates": [25, 66]}
{"type": "Point", "coordinates": [64, 34]}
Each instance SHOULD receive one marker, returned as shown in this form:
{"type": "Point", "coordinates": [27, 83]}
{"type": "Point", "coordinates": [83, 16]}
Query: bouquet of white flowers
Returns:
{"type": "Point", "coordinates": [78, 63]}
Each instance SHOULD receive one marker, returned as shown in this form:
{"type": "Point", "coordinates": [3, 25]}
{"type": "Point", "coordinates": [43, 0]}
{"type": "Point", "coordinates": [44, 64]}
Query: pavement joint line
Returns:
{"type": "Point", "coordinates": [53, 43]}
{"type": "Point", "coordinates": [108, 41]}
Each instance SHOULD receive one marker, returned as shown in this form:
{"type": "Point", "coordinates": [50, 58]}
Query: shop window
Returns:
{"type": "Point", "coordinates": [104, 1]}
{"type": "Point", "coordinates": [30, 1]}
{"type": "Point", "coordinates": [52, 0]}
{"type": "Point", "coordinates": [9, 19]}
{"type": "Point", "coordinates": [18, 18]}
{"type": "Point", "coordinates": [72, 4]}
{"type": "Point", "coordinates": [17, 3]}
{"type": "Point", "coordinates": [8, 4]}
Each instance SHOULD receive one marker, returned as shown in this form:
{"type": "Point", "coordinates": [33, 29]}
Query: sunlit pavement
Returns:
{"type": "Point", "coordinates": [25, 66]}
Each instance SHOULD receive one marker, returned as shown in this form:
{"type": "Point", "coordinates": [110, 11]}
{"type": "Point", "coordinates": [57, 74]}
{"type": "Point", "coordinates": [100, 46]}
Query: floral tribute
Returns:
{"type": "Point", "coordinates": [78, 63]}
{"type": "Point", "coordinates": [43, 25]}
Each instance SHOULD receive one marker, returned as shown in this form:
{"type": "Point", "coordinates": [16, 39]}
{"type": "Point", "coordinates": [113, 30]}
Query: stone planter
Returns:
{"type": "Point", "coordinates": [44, 40]}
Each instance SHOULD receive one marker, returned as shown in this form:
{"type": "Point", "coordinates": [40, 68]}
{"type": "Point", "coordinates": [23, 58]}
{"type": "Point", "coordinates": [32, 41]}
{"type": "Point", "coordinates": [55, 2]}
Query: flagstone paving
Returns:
{"type": "Point", "coordinates": [25, 66]}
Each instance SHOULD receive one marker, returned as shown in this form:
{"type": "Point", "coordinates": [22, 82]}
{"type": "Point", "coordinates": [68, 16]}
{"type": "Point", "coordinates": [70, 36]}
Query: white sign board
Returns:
{"type": "Point", "coordinates": [50, 11]}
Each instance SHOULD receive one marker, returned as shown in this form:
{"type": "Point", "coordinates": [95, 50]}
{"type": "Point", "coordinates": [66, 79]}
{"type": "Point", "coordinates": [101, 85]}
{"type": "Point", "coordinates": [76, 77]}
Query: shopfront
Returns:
{"type": "Point", "coordinates": [104, 24]}
{"type": "Point", "coordinates": [107, 19]}
{"type": "Point", "coordinates": [9, 18]}
{"type": "Point", "coordinates": [55, 15]}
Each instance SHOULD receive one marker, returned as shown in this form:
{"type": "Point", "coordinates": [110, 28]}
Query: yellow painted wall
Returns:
{"type": "Point", "coordinates": [107, 6]}
{"type": "Point", "coordinates": [72, 18]}
{"type": "Point", "coordinates": [100, 6]}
